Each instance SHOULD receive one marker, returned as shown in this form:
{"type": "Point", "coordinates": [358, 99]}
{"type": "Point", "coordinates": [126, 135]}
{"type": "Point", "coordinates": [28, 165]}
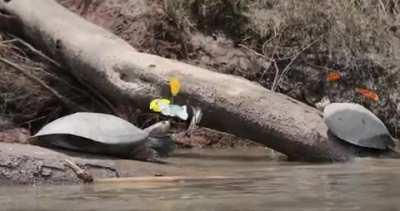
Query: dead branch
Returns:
{"type": "Point", "coordinates": [34, 50]}
{"type": "Point", "coordinates": [287, 67]}
{"type": "Point", "coordinates": [81, 173]}
{"type": "Point", "coordinates": [66, 101]}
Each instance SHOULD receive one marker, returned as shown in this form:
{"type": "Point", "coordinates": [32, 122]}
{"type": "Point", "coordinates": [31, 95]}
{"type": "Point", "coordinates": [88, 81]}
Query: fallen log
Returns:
{"type": "Point", "coordinates": [230, 104]}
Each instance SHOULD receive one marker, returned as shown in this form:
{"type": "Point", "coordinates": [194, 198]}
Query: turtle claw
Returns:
{"type": "Point", "coordinates": [154, 157]}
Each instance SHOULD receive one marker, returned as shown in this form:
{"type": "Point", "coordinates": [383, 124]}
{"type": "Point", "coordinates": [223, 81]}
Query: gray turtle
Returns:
{"type": "Point", "coordinates": [106, 134]}
{"type": "Point", "coordinates": [357, 125]}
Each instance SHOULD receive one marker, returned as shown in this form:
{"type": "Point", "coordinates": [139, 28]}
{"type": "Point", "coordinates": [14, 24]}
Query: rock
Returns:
{"type": "Point", "coordinates": [28, 164]}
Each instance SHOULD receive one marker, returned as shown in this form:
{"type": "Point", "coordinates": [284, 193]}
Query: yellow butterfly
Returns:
{"type": "Point", "coordinates": [174, 85]}
{"type": "Point", "coordinates": [157, 105]}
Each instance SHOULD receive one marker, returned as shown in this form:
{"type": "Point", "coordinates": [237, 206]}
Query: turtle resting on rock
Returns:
{"type": "Point", "coordinates": [106, 134]}
{"type": "Point", "coordinates": [357, 125]}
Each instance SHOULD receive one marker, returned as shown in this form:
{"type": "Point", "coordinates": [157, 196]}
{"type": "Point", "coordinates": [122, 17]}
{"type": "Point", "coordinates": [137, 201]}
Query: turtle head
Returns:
{"type": "Point", "coordinates": [159, 141]}
{"type": "Point", "coordinates": [158, 129]}
{"type": "Point", "coordinates": [162, 146]}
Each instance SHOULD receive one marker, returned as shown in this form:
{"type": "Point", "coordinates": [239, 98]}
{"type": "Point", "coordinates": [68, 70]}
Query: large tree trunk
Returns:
{"type": "Point", "coordinates": [229, 103]}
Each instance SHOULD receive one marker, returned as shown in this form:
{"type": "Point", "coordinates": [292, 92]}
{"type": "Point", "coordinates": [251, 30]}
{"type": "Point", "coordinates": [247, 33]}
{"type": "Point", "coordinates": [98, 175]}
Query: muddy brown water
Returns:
{"type": "Point", "coordinates": [258, 183]}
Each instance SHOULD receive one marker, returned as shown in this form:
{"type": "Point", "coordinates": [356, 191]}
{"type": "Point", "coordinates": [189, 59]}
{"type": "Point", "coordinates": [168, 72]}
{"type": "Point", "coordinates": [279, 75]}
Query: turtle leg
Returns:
{"type": "Point", "coordinates": [163, 146]}
{"type": "Point", "coordinates": [144, 153]}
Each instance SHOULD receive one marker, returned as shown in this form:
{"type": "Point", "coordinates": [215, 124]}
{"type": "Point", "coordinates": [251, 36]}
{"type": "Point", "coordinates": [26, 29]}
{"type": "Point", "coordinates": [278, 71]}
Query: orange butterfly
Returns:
{"type": "Point", "coordinates": [368, 94]}
{"type": "Point", "coordinates": [174, 85]}
{"type": "Point", "coordinates": [333, 76]}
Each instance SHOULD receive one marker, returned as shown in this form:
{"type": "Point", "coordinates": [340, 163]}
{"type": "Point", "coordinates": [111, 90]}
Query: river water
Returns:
{"type": "Point", "coordinates": [256, 182]}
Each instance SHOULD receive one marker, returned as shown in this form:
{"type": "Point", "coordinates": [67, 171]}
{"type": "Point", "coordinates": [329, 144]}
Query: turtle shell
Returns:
{"type": "Point", "coordinates": [357, 125]}
{"type": "Point", "coordinates": [92, 132]}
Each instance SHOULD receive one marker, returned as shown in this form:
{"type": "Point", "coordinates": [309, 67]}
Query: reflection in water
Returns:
{"type": "Point", "coordinates": [261, 184]}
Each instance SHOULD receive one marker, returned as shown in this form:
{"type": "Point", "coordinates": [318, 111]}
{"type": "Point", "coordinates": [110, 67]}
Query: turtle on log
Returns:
{"type": "Point", "coordinates": [357, 125]}
{"type": "Point", "coordinates": [106, 134]}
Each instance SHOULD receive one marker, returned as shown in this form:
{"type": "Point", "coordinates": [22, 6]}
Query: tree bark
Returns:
{"type": "Point", "coordinates": [230, 104]}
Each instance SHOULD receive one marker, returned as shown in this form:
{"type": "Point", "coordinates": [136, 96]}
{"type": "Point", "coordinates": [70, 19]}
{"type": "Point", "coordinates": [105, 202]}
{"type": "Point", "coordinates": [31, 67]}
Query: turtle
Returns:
{"type": "Point", "coordinates": [357, 125]}
{"type": "Point", "coordinates": [106, 134]}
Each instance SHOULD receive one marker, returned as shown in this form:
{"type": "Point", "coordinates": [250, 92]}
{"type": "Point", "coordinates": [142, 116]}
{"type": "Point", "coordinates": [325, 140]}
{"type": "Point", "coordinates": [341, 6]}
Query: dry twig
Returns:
{"type": "Point", "coordinates": [265, 66]}
{"type": "Point", "coordinates": [276, 76]}
{"type": "Point", "coordinates": [81, 173]}
{"type": "Point", "coordinates": [58, 65]}
{"type": "Point", "coordinates": [287, 67]}
{"type": "Point", "coordinates": [34, 50]}
{"type": "Point", "coordinates": [255, 52]}
{"type": "Point", "coordinates": [66, 101]}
